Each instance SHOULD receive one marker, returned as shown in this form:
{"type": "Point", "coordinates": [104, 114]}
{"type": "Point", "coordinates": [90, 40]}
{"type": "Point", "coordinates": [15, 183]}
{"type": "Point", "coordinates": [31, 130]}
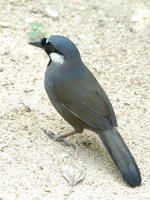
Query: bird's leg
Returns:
{"type": "Point", "coordinates": [61, 137]}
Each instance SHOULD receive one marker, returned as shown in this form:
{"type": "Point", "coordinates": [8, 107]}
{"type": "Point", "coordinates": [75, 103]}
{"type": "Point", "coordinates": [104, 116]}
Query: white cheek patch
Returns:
{"type": "Point", "coordinates": [57, 58]}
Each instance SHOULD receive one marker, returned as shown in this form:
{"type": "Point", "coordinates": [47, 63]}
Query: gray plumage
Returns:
{"type": "Point", "coordinates": [82, 102]}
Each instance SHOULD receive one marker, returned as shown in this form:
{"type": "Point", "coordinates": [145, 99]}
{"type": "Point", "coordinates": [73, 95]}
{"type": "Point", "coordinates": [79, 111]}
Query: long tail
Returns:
{"type": "Point", "coordinates": [121, 155]}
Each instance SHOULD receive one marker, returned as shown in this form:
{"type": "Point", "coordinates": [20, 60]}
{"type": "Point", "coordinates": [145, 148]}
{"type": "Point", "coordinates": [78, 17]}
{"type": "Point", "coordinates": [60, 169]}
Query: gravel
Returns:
{"type": "Point", "coordinates": [114, 40]}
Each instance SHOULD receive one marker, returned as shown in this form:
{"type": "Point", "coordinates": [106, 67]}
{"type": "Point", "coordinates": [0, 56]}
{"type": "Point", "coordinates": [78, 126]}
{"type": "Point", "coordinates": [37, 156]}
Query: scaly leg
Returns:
{"type": "Point", "coordinates": [61, 137]}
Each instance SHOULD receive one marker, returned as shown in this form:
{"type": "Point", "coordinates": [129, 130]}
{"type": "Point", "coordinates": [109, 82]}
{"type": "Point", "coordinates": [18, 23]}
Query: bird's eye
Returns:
{"type": "Point", "coordinates": [52, 49]}
{"type": "Point", "coordinates": [49, 48]}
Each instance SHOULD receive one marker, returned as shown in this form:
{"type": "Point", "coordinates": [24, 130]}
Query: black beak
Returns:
{"type": "Point", "coordinates": [37, 44]}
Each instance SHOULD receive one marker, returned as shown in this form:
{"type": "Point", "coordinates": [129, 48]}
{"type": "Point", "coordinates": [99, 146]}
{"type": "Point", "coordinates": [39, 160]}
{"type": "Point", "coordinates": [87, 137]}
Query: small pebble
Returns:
{"type": "Point", "coordinates": [4, 24]}
{"type": "Point", "coordinates": [28, 90]}
{"type": "Point", "coordinates": [51, 13]}
{"type": "Point", "coordinates": [27, 109]}
{"type": "Point", "coordinates": [1, 69]}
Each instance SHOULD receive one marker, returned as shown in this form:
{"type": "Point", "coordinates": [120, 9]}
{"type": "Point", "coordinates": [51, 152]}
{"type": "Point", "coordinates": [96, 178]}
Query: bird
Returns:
{"type": "Point", "coordinates": [79, 98]}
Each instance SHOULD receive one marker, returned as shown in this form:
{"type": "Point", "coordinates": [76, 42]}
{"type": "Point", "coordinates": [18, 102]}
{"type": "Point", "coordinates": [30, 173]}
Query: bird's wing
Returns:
{"type": "Point", "coordinates": [85, 98]}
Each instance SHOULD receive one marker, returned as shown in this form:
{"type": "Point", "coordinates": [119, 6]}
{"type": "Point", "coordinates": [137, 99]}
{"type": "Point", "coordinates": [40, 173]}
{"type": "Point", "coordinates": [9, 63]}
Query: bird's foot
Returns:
{"type": "Point", "coordinates": [56, 138]}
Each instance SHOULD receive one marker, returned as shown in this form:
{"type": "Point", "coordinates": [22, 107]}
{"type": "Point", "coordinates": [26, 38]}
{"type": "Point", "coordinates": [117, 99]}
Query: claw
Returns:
{"type": "Point", "coordinates": [56, 137]}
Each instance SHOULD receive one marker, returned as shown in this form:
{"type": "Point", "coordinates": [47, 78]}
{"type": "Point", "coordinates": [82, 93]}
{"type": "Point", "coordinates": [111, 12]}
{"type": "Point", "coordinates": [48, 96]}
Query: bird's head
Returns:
{"type": "Point", "coordinates": [58, 48]}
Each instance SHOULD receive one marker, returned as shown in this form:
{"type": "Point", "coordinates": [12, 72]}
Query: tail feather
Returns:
{"type": "Point", "coordinates": [121, 155]}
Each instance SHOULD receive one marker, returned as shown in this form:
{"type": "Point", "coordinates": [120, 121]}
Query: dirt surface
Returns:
{"type": "Point", "coordinates": [114, 40]}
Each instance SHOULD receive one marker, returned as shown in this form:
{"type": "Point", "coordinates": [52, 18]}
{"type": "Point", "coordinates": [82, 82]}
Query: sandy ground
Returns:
{"type": "Point", "coordinates": [114, 41]}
